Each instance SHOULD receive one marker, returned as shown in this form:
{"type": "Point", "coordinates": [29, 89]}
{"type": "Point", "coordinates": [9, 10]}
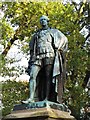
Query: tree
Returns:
{"type": "Point", "coordinates": [25, 16]}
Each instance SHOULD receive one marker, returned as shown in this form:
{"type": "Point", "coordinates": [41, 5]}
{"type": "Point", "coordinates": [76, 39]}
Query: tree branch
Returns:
{"type": "Point", "coordinates": [4, 53]}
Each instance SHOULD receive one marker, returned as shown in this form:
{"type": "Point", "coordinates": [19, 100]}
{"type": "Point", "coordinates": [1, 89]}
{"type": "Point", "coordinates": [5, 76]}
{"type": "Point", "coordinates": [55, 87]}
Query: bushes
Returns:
{"type": "Point", "coordinates": [13, 93]}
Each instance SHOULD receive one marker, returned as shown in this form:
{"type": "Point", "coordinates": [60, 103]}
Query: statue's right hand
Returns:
{"type": "Point", "coordinates": [27, 71]}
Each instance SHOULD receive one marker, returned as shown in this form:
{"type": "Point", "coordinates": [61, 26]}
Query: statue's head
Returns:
{"type": "Point", "coordinates": [44, 20]}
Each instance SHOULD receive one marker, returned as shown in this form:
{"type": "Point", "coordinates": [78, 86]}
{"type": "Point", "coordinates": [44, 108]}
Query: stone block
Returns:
{"type": "Point", "coordinates": [39, 114]}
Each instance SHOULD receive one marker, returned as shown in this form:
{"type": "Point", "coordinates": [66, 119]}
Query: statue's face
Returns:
{"type": "Point", "coordinates": [44, 22]}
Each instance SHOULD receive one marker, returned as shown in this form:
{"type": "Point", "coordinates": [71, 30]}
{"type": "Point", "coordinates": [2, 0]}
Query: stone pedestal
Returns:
{"type": "Point", "coordinates": [41, 112]}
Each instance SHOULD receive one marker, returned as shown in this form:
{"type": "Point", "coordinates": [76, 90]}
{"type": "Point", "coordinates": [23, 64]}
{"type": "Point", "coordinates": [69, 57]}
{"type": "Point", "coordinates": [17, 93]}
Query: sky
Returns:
{"type": "Point", "coordinates": [16, 53]}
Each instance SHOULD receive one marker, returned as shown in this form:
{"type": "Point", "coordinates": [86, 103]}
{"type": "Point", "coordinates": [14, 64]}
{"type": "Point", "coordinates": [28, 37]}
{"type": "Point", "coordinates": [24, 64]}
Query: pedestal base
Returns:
{"type": "Point", "coordinates": [39, 114]}
{"type": "Point", "coordinates": [43, 110]}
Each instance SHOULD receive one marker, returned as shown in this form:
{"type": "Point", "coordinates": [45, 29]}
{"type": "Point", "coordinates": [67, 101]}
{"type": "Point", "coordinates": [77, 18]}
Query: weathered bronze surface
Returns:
{"type": "Point", "coordinates": [47, 63]}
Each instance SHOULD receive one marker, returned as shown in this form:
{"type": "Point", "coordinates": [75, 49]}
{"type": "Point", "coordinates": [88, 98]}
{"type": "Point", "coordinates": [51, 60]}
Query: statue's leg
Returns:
{"type": "Point", "coordinates": [32, 82]}
{"type": "Point", "coordinates": [48, 71]}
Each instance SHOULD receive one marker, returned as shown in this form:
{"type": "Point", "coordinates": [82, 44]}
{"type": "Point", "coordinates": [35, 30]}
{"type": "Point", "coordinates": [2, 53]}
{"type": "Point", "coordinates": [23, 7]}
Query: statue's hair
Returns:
{"type": "Point", "coordinates": [45, 17]}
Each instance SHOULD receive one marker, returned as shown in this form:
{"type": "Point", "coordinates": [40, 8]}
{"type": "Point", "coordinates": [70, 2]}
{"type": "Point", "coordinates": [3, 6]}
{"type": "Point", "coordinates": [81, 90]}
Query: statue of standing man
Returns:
{"type": "Point", "coordinates": [46, 64]}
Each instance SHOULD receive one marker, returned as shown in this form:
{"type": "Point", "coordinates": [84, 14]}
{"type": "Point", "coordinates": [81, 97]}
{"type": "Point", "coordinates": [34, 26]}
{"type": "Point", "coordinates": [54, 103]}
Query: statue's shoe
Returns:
{"type": "Point", "coordinates": [27, 101]}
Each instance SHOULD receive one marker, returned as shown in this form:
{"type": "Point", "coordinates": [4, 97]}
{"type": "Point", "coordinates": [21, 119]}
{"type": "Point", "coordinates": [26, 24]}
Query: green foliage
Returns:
{"type": "Point", "coordinates": [75, 97]}
{"type": "Point", "coordinates": [26, 16]}
{"type": "Point", "coordinates": [63, 17]}
{"type": "Point", "coordinates": [7, 32]}
{"type": "Point", "coordinates": [13, 93]}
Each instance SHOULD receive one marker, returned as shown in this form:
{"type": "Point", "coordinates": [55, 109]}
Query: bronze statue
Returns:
{"type": "Point", "coordinates": [46, 65]}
